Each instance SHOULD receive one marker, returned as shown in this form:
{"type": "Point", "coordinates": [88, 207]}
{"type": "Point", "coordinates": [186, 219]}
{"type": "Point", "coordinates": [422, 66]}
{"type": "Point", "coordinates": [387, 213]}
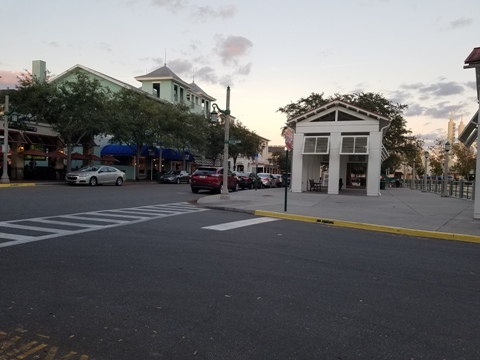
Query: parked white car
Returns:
{"type": "Point", "coordinates": [96, 175]}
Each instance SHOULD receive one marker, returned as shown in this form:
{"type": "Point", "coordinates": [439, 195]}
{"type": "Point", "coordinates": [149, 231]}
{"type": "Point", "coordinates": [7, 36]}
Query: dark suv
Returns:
{"type": "Point", "coordinates": [211, 178]}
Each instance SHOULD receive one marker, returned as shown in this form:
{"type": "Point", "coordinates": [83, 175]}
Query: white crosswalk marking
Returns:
{"type": "Point", "coordinates": [14, 232]}
{"type": "Point", "coordinates": [238, 224]}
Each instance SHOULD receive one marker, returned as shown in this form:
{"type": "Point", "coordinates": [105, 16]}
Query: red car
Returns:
{"type": "Point", "coordinates": [211, 178]}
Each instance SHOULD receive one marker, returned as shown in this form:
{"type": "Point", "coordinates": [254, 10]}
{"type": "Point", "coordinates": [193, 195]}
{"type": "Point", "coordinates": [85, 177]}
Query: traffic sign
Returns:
{"type": "Point", "coordinates": [289, 138]}
{"type": "Point", "coordinates": [233, 142]}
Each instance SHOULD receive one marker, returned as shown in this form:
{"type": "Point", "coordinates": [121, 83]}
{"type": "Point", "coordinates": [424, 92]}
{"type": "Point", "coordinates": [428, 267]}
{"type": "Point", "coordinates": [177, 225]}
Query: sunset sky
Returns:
{"type": "Point", "coordinates": [271, 53]}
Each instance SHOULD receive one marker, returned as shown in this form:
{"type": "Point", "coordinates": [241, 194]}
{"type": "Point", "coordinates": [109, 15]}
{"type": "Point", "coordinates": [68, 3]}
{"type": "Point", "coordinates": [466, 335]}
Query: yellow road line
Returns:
{"type": "Point", "coordinates": [17, 350]}
{"type": "Point", "coordinates": [51, 353]}
{"type": "Point", "coordinates": [22, 348]}
{"type": "Point", "coordinates": [32, 351]}
{"type": "Point", "coordinates": [372, 227]}
{"type": "Point", "coordinates": [9, 343]}
{"type": "Point", "coordinates": [16, 185]}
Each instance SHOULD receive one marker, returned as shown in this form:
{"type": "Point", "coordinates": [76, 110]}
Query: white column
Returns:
{"type": "Point", "coordinates": [343, 169]}
{"type": "Point", "coordinates": [297, 163]}
{"type": "Point", "coordinates": [334, 164]}
{"type": "Point", "coordinates": [374, 164]}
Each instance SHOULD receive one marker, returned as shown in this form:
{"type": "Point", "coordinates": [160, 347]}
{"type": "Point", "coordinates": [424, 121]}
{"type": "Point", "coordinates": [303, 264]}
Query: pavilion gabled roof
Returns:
{"type": "Point", "coordinates": [333, 106]}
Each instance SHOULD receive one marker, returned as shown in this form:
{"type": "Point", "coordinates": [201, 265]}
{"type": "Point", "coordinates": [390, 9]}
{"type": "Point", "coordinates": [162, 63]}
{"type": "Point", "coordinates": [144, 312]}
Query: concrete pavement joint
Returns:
{"type": "Point", "coordinates": [372, 227]}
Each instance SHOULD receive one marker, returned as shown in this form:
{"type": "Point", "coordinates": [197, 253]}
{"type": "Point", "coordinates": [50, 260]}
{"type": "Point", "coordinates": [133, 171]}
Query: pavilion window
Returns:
{"type": "Point", "coordinates": [352, 145]}
{"type": "Point", "coordinates": [316, 145]}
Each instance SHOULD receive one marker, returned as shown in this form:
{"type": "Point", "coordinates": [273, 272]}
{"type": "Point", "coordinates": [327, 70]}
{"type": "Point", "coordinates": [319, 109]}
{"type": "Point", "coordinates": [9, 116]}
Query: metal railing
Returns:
{"type": "Point", "coordinates": [461, 189]}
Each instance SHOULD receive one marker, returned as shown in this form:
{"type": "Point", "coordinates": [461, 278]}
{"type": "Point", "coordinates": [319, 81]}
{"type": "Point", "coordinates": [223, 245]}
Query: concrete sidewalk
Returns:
{"type": "Point", "coordinates": [397, 210]}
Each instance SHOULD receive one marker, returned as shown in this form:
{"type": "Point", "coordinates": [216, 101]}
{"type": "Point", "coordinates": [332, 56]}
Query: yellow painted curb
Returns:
{"type": "Point", "coordinates": [372, 227]}
{"type": "Point", "coordinates": [16, 185]}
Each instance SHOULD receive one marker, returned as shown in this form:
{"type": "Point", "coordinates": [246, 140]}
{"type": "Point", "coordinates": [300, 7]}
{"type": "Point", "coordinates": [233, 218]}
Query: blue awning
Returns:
{"type": "Point", "coordinates": [118, 150]}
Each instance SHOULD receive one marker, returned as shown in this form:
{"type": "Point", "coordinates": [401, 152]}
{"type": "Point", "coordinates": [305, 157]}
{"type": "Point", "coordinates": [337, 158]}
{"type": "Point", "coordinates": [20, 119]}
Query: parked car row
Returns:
{"type": "Point", "coordinates": [204, 178]}
{"type": "Point", "coordinates": [211, 178]}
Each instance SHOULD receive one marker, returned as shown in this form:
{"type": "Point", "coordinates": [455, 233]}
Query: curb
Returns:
{"type": "Point", "coordinates": [17, 185]}
{"type": "Point", "coordinates": [372, 227]}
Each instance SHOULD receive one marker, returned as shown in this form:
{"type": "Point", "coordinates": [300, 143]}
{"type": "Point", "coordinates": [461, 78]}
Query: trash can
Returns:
{"type": "Point", "coordinates": [382, 185]}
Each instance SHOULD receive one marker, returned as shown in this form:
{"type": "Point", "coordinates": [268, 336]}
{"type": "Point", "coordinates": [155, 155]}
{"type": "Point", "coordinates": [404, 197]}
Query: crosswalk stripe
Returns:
{"type": "Point", "coordinates": [87, 218]}
{"type": "Point", "coordinates": [238, 224]}
{"type": "Point", "coordinates": [89, 221]}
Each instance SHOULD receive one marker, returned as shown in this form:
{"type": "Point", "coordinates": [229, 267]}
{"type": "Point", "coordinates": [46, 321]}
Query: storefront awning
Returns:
{"type": "Point", "coordinates": [15, 136]}
{"type": "Point", "coordinates": [46, 140]}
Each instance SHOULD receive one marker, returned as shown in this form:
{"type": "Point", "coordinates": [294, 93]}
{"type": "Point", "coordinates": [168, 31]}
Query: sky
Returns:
{"type": "Point", "coordinates": [270, 53]}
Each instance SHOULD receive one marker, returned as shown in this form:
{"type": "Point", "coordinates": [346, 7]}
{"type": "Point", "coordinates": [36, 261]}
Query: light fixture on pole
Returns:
{"type": "Point", "coordinates": [426, 154]}
{"type": "Point", "coordinates": [445, 170]}
{"type": "Point", "coordinates": [213, 116]}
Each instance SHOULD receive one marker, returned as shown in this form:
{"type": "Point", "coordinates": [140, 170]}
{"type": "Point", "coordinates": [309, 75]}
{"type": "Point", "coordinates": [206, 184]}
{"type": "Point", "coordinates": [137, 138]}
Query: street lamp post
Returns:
{"type": "Point", "coordinates": [412, 187]}
{"type": "Point", "coordinates": [445, 170]}
{"type": "Point", "coordinates": [5, 179]}
{"type": "Point", "coordinates": [224, 194]}
{"type": "Point", "coordinates": [426, 154]}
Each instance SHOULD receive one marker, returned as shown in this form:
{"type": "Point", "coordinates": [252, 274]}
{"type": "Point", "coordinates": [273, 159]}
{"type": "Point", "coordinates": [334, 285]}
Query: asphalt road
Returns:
{"type": "Point", "coordinates": [172, 287]}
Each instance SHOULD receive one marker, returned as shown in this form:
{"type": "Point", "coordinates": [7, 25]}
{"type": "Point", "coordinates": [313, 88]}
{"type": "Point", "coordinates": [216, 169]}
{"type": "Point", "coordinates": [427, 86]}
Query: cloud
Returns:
{"type": "Point", "coordinates": [444, 89]}
{"type": "Point", "coordinates": [426, 92]}
{"type": "Point", "coordinates": [226, 80]}
{"type": "Point", "coordinates": [414, 110]}
{"type": "Point", "coordinates": [208, 13]}
{"type": "Point", "coordinates": [244, 70]}
{"type": "Point", "coordinates": [53, 44]}
{"type": "Point", "coordinates": [436, 101]}
{"type": "Point", "coordinates": [8, 79]}
{"type": "Point", "coordinates": [471, 85]}
{"type": "Point", "coordinates": [232, 48]}
{"type": "Point", "coordinates": [460, 23]}
{"type": "Point", "coordinates": [443, 110]}
{"type": "Point", "coordinates": [206, 74]}
{"type": "Point", "coordinates": [180, 66]}
{"type": "Point", "coordinates": [158, 61]}
{"type": "Point", "coordinates": [174, 6]}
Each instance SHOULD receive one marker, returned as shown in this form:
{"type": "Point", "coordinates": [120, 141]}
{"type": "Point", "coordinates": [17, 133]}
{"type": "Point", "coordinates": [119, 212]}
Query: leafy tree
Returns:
{"type": "Point", "coordinates": [250, 143]}
{"type": "Point", "coordinates": [465, 159]}
{"type": "Point", "coordinates": [75, 109]}
{"type": "Point", "coordinates": [132, 121]}
{"type": "Point", "coordinates": [437, 157]}
{"type": "Point", "coordinates": [279, 159]}
{"type": "Point", "coordinates": [395, 137]}
{"type": "Point", "coordinates": [215, 140]}
{"type": "Point", "coordinates": [186, 129]}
